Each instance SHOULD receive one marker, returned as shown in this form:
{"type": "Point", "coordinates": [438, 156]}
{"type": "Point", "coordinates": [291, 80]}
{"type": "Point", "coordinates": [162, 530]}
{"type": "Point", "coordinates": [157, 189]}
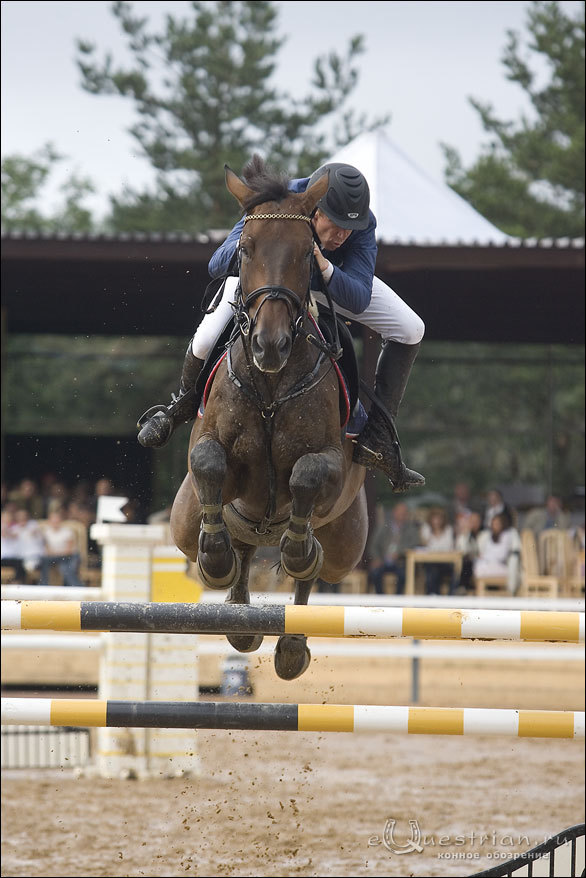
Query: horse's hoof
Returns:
{"type": "Point", "coordinates": [245, 642]}
{"type": "Point", "coordinates": [220, 582]}
{"type": "Point", "coordinates": [313, 564]}
{"type": "Point", "coordinates": [292, 656]}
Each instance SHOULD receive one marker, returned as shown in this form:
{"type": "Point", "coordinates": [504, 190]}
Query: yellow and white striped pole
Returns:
{"type": "Point", "coordinates": [295, 717]}
{"type": "Point", "coordinates": [313, 620]}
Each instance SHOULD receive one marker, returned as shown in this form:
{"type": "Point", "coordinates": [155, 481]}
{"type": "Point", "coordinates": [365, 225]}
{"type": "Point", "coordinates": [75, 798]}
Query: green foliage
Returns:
{"type": "Point", "coordinates": [23, 179]}
{"type": "Point", "coordinates": [481, 413]}
{"type": "Point", "coordinates": [203, 94]}
{"type": "Point", "coordinates": [495, 414]}
{"type": "Point", "coordinates": [529, 180]}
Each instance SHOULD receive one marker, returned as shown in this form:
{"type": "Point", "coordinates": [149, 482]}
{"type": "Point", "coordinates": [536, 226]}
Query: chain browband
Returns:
{"type": "Point", "coordinates": [271, 216]}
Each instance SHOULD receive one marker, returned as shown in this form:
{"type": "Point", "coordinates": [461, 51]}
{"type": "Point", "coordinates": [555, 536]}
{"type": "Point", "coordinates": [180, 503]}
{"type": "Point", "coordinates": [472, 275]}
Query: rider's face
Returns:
{"type": "Point", "coordinates": [330, 235]}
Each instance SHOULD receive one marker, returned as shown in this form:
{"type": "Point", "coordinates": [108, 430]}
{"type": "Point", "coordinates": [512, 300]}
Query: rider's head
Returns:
{"type": "Point", "coordinates": [347, 200]}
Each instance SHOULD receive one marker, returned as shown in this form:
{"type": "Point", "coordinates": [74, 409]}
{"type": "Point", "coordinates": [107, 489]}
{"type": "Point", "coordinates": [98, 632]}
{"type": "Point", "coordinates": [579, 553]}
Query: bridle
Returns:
{"type": "Point", "coordinates": [296, 306]}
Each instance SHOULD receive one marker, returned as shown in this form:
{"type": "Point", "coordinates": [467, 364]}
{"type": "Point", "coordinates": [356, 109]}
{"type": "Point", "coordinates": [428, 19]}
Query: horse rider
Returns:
{"type": "Point", "coordinates": [345, 228]}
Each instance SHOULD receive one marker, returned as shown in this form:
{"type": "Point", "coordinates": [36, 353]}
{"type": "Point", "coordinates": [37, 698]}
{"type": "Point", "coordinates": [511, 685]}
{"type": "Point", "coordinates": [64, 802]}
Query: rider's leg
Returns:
{"type": "Point", "coordinates": [156, 430]}
{"type": "Point", "coordinates": [401, 330]}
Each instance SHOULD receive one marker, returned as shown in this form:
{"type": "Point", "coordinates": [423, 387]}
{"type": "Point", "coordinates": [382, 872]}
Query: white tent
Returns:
{"type": "Point", "coordinates": [409, 206]}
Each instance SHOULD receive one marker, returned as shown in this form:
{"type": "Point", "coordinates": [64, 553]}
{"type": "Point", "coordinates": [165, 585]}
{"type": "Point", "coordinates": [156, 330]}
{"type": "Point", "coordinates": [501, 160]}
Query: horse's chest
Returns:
{"type": "Point", "coordinates": [285, 438]}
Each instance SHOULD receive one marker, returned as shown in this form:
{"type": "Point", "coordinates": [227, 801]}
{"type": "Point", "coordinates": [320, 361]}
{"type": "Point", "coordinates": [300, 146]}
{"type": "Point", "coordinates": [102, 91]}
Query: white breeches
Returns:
{"type": "Point", "coordinates": [386, 314]}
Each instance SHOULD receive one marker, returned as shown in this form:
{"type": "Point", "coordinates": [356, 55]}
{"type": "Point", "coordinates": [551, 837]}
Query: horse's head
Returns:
{"type": "Point", "coordinates": [276, 255]}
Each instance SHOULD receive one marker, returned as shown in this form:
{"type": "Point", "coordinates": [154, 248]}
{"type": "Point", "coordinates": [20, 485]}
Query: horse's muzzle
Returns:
{"type": "Point", "coordinates": [270, 353]}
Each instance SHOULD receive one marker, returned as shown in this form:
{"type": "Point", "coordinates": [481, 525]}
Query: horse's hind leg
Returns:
{"type": "Point", "coordinates": [239, 594]}
{"type": "Point", "coordinates": [218, 564]}
{"type": "Point", "coordinates": [292, 655]}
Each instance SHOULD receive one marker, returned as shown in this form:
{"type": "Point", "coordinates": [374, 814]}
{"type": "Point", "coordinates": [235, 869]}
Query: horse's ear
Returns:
{"type": "Point", "coordinates": [237, 187]}
{"type": "Point", "coordinates": [315, 192]}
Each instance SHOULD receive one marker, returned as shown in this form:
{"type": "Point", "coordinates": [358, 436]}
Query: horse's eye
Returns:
{"type": "Point", "coordinates": [245, 251]}
{"type": "Point", "coordinates": [309, 254]}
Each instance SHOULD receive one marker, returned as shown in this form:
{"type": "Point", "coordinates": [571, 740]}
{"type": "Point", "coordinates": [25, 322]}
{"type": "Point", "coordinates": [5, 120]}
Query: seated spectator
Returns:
{"type": "Point", "coordinates": [461, 504]}
{"type": "Point", "coordinates": [27, 496]}
{"type": "Point", "coordinates": [61, 550]}
{"type": "Point", "coordinates": [11, 545]}
{"type": "Point", "coordinates": [495, 504]}
{"type": "Point", "coordinates": [388, 548]}
{"type": "Point", "coordinates": [468, 530]}
{"type": "Point", "coordinates": [437, 535]}
{"type": "Point", "coordinates": [499, 551]}
{"type": "Point", "coordinates": [57, 495]}
{"type": "Point", "coordinates": [32, 546]}
{"type": "Point", "coordinates": [552, 515]}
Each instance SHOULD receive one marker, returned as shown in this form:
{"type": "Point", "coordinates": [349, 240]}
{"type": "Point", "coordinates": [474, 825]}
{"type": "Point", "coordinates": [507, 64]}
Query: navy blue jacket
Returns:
{"type": "Point", "coordinates": [351, 282]}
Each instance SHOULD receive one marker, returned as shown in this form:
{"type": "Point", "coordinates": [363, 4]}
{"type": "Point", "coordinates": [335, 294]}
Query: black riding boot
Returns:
{"type": "Point", "coordinates": [157, 424]}
{"type": "Point", "coordinates": [378, 447]}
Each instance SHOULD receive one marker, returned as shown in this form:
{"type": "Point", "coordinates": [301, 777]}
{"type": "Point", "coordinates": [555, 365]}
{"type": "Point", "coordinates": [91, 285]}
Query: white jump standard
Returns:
{"type": "Point", "coordinates": [314, 620]}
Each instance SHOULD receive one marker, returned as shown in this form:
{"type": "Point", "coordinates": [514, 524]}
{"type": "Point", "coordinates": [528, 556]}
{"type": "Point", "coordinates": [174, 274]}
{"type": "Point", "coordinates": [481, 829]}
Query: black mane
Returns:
{"type": "Point", "coordinates": [268, 185]}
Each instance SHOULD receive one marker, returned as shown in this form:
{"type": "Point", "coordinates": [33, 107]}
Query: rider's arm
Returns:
{"type": "Point", "coordinates": [351, 281]}
{"type": "Point", "coordinates": [220, 261]}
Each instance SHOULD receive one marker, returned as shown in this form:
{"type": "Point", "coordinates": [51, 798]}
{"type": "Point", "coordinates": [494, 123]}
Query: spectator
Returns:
{"type": "Point", "coordinates": [27, 496]}
{"type": "Point", "coordinates": [461, 502]}
{"type": "Point", "coordinates": [552, 515]}
{"type": "Point", "coordinates": [56, 497]}
{"type": "Point", "coordinates": [499, 551]}
{"type": "Point", "coordinates": [437, 535]}
{"type": "Point", "coordinates": [10, 545]}
{"type": "Point", "coordinates": [389, 546]}
{"type": "Point", "coordinates": [468, 530]}
{"type": "Point", "coordinates": [32, 546]}
{"type": "Point", "coordinates": [495, 504]}
{"type": "Point", "coordinates": [61, 550]}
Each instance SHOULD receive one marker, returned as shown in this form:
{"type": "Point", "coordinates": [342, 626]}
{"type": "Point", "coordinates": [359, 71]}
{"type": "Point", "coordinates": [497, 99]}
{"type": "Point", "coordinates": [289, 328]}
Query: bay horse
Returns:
{"type": "Point", "coordinates": [268, 464]}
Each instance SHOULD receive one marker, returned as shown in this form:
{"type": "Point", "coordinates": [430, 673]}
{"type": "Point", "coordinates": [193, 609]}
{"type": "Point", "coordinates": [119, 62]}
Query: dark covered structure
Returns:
{"type": "Point", "coordinates": [530, 293]}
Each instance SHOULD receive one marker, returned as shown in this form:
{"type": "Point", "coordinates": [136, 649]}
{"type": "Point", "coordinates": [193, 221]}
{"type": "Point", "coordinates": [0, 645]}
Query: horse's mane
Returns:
{"type": "Point", "coordinates": [268, 185]}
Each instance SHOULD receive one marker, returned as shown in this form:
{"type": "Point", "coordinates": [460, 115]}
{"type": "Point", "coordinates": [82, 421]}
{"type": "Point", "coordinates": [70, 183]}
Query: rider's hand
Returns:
{"type": "Point", "coordinates": [322, 262]}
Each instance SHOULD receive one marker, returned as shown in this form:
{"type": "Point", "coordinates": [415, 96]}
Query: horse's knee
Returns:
{"type": "Point", "coordinates": [314, 477]}
{"type": "Point", "coordinates": [208, 465]}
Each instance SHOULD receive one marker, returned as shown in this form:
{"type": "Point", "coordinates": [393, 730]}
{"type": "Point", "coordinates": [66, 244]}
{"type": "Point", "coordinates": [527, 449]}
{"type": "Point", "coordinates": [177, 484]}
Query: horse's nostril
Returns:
{"type": "Point", "coordinates": [284, 345]}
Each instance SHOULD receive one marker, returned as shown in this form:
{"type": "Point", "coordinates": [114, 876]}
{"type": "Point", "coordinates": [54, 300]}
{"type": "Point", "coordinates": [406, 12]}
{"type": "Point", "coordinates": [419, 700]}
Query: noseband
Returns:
{"type": "Point", "coordinates": [296, 306]}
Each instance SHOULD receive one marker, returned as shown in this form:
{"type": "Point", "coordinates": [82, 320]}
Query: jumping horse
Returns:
{"type": "Point", "coordinates": [268, 464]}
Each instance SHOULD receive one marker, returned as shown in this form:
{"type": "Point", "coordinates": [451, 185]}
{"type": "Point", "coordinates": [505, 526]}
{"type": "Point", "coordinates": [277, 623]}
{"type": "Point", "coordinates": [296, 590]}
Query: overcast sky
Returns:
{"type": "Point", "coordinates": [423, 61]}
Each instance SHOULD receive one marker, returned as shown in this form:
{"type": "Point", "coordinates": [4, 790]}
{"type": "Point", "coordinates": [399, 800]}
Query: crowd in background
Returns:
{"type": "Point", "coordinates": [37, 529]}
{"type": "Point", "coordinates": [485, 533]}
{"type": "Point", "coordinates": [38, 532]}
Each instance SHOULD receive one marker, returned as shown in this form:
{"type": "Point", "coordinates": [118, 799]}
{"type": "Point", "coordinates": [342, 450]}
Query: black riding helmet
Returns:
{"type": "Point", "coordinates": [348, 197]}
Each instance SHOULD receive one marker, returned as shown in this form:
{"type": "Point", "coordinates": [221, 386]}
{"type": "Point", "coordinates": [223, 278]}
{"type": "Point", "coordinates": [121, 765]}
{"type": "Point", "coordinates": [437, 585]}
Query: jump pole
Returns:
{"type": "Point", "coordinates": [316, 621]}
{"type": "Point", "coordinates": [294, 717]}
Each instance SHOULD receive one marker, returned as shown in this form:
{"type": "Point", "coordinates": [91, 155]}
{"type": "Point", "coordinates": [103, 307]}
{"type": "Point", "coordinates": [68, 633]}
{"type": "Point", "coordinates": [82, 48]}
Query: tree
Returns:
{"type": "Point", "coordinates": [24, 178]}
{"type": "Point", "coordinates": [203, 94]}
{"type": "Point", "coordinates": [529, 180]}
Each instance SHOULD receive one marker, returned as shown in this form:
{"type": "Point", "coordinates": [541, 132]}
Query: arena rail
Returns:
{"type": "Point", "coordinates": [316, 621]}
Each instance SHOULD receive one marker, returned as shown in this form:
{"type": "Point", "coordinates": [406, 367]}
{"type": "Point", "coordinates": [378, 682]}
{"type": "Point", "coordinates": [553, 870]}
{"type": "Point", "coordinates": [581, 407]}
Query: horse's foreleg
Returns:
{"type": "Point", "coordinates": [315, 482]}
{"type": "Point", "coordinates": [217, 563]}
